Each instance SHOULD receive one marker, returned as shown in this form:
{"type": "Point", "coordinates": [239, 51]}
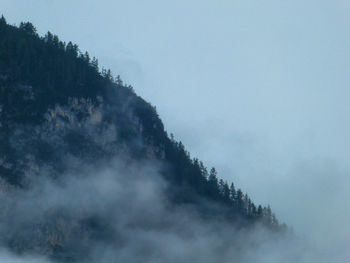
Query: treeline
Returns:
{"type": "Point", "coordinates": [207, 183]}
{"type": "Point", "coordinates": [58, 71]}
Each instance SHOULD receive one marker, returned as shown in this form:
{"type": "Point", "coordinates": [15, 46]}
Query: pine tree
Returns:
{"type": "Point", "coordinates": [232, 192]}
{"type": "Point", "coordinates": [86, 57]}
{"type": "Point", "coordinates": [119, 81]}
{"type": "Point", "coordinates": [213, 183]}
{"type": "Point", "coordinates": [226, 192]}
{"type": "Point", "coordinates": [28, 28]}
{"type": "Point", "coordinates": [204, 170]}
{"type": "Point", "coordinates": [94, 63]}
{"type": "Point", "coordinates": [240, 202]}
{"type": "Point", "coordinates": [3, 20]}
{"type": "Point", "coordinates": [253, 210]}
{"type": "Point", "coordinates": [221, 187]}
{"type": "Point", "coordinates": [246, 201]}
{"type": "Point", "coordinates": [260, 212]}
{"type": "Point", "coordinates": [49, 38]}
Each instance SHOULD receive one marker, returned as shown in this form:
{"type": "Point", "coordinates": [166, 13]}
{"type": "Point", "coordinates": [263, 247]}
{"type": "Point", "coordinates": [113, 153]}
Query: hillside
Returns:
{"type": "Point", "coordinates": [84, 150]}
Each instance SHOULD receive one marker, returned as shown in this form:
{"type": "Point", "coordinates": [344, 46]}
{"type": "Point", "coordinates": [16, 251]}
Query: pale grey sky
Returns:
{"type": "Point", "coordinates": [258, 89]}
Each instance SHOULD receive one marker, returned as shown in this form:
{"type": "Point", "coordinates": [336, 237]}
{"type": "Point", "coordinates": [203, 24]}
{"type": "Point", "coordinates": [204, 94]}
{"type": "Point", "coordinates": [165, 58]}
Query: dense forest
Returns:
{"type": "Point", "coordinates": [56, 101]}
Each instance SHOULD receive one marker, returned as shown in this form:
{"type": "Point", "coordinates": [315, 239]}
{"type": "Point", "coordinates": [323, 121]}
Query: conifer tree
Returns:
{"type": "Point", "coordinates": [221, 187]}
{"type": "Point", "coordinates": [226, 192]}
{"type": "Point", "coordinates": [260, 212]}
{"type": "Point", "coordinates": [232, 192]}
{"type": "Point", "coordinates": [204, 170]}
{"type": "Point", "coordinates": [213, 183]}
{"type": "Point", "coordinates": [3, 20]}
{"type": "Point", "coordinates": [28, 28]}
{"type": "Point", "coordinates": [239, 200]}
{"type": "Point", "coordinates": [94, 63]}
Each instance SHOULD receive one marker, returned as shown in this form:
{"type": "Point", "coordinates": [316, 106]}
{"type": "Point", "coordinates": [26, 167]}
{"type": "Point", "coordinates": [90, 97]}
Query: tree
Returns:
{"type": "Point", "coordinates": [260, 212]}
{"type": "Point", "coordinates": [72, 49]}
{"type": "Point", "coordinates": [226, 192]}
{"type": "Point", "coordinates": [239, 200]}
{"type": "Point", "coordinates": [49, 37]}
{"type": "Point", "coordinates": [268, 214]}
{"type": "Point", "coordinates": [3, 20]}
{"type": "Point", "coordinates": [253, 210]}
{"type": "Point", "coordinates": [86, 57]}
{"type": "Point", "coordinates": [119, 81]}
{"type": "Point", "coordinates": [221, 187]}
{"type": "Point", "coordinates": [195, 162]}
{"type": "Point", "coordinates": [94, 63]}
{"type": "Point", "coordinates": [107, 74]}
{"type": "Point", "coordinates": [213, 176]}
{"type": "Point", "coordinates": [232, 192]}
{"type": "Point", "coordinates": [246, 202]}
{"type": "Point", "coordinates": [213, 183]}
{"type": "Point", "coordinates": [28, 28]}
{"type": "Point", "coordinates": [204, 170]}
{"type": "Point", "coordinates": [274, 221]}
{"type": "Point", "coordinates": [56, 41]}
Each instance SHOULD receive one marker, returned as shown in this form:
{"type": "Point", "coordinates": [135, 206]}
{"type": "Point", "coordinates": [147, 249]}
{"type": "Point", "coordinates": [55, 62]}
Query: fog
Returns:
{"type": "Point", "coordinates": [258, 89]}
{"type": "Point", "coordinates": [128, 204]}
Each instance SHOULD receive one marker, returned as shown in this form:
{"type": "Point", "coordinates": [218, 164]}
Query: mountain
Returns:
{"type": "Point", "coordinates": [87, 168]}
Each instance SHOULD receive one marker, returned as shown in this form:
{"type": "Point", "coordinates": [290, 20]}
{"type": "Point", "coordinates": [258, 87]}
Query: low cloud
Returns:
{"type": "Point", "coordinates": [118, 211]}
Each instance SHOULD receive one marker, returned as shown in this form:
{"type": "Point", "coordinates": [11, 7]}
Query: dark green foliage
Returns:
{"type": "Point", "coordinates": [55, 70]}
{"type": "Point", "coordinates": [37, 73]}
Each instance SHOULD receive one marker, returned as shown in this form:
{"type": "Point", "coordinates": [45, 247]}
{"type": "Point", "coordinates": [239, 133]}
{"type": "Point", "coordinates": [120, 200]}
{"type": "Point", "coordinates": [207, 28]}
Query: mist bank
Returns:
{"type": "Point", "coordinates": [119, 211]}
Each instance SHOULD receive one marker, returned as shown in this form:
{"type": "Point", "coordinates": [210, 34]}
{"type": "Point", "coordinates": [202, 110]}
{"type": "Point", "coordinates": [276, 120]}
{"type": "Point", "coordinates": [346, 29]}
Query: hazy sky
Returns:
{"type": "Point", "coordinates": [258, 89]}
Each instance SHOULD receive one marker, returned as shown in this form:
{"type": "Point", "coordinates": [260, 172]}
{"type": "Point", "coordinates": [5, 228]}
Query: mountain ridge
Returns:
{"type": "Point", "coordinates": [58, 108]}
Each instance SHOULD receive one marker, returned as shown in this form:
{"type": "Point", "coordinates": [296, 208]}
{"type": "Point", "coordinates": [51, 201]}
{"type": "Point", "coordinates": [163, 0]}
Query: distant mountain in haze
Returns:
{"type": "Point", "coordinates": [86, 165]}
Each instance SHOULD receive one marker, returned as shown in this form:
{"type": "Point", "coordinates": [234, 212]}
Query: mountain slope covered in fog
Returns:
{"type": "Point", "coordinates": [87, 168]}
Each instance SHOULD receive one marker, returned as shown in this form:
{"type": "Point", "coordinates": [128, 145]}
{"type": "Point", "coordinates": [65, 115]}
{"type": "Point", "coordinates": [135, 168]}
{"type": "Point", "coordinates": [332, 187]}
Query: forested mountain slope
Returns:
{"type": "Point", "coordinates": [62, 120]}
